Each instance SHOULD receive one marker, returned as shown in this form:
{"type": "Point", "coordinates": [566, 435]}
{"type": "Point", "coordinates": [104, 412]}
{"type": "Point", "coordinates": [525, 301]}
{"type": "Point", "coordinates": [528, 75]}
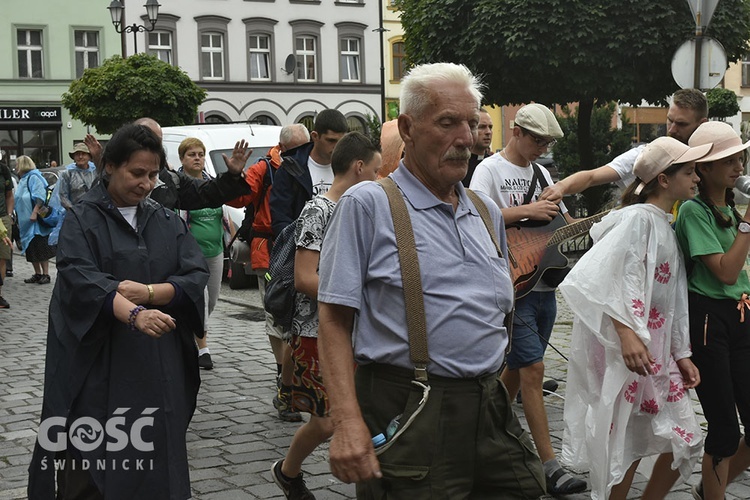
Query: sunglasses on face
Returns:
{"type": "Point", "coordinates": [540, 141]}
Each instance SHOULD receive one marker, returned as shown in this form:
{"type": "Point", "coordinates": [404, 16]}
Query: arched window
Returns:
{"type": "Point", "coordinates": [215, 119]}
{"type": "Point", "coordinates": [356, 124]}
{"type": "Point", "coordinates": [263, 120]}
{"type": "Point", "coordinates": [308, 121]}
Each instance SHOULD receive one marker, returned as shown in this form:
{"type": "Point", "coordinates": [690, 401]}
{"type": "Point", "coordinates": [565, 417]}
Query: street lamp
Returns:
{"type": "Point", "coordinates": [116, 9]}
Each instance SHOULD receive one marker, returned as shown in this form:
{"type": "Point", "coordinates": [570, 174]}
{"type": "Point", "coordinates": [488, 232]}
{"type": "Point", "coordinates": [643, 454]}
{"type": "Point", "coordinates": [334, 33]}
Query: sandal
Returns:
{"type": "Point", "coordinates": [562, 483]}
{"type": "Point", "coordinates": [34, 278]}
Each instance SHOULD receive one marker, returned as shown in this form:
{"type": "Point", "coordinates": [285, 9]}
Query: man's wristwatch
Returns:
{"type": "Point", "coordinates": [743, 227]}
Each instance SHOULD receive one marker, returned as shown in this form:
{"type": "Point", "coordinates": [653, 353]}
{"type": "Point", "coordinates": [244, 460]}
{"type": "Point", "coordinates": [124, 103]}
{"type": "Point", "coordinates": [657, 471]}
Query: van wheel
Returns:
{"type": "Point", "coordinates": [238, 279]}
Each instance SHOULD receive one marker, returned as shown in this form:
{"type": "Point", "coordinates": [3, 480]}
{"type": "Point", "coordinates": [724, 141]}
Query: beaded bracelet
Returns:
{"type": "Point", "coordinates": [134, 314]}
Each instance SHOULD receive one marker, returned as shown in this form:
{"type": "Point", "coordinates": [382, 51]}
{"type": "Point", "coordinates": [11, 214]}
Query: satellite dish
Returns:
{"type": "Point", "coordinates": [289, 64]}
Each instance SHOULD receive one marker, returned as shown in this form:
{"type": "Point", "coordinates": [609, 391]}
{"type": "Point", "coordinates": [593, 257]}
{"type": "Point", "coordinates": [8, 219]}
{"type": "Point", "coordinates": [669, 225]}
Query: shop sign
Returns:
{"type": "Point", "coordinates": [30, 114]}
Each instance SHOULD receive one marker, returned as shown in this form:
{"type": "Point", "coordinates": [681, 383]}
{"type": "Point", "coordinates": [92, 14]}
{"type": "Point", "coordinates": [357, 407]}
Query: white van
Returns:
{"type": "Point", "coordinates": [220, 138]}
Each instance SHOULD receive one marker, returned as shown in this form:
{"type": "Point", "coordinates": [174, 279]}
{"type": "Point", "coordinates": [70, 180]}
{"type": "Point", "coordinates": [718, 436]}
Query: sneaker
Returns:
{"type": "Point", "coordinates": [548, 387]}
{"type": "Point", "coordinates": [8, 273]}
{"type": "Point", "coordinates": [282, 402]}
{"type": "Point", "coordinates": [697, 491]}
{"type": "Point", "coordinates": [4, 303]}
{"type": "Point", "coordinates": [294, 488]}
{"type": "Point", "coordinates": [43, 279]}
{"type": "Point", "coordinates": [34, 278]}
{"type": "Point", "coordinates": [562, 483]}
{"type": "Point", "coordinates": [204, 361]}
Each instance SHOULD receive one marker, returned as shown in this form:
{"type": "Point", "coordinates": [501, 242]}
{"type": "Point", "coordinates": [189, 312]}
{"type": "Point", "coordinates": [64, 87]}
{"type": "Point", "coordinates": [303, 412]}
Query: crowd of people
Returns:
{"type": "Point", "coordinates": [410, 373]}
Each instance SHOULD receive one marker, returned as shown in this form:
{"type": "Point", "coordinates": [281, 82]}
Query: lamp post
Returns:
{"type": "Point", "coordinates": [380, 29]}
{"type": "Point", "coordinates": [116, 9]}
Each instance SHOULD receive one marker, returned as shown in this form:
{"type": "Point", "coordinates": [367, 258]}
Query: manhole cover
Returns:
{"type": "Point", "coordinates": [251, 313]}
{"type": "Point", "coordinates": [215, 433]}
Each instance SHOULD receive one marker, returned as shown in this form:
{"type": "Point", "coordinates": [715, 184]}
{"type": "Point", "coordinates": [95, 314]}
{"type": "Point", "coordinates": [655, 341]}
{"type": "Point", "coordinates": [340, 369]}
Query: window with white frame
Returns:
{"type": "Point", "coordinates": [160, 45]}
{"type": "Point", "coordinates": [212, 56]}
{"type": "Point", "coordinates": [746, 71]}
{"type": "Point", "coordinates": [305, 49]}
{"type": "Point", "coordinates": [260, 57]}
{"type": "Point", "coordinates": [350, 60]}
{"type": "Point", "coordinates": [351, 38]}
{"type": "Point", "coordinates": [87, 50]}
{"type": "Point", "coordinates": [30, 55]}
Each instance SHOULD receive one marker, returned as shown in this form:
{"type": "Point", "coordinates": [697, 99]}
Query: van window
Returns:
{"type": "Point", "coordinates": [221, 167]}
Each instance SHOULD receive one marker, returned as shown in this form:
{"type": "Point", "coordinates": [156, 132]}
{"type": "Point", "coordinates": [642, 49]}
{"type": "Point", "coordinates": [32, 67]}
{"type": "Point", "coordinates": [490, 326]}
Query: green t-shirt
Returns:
{"type": "Point", "coordinates": [205, 225]}
{"type": "Point", "coordinates": [699, 234]}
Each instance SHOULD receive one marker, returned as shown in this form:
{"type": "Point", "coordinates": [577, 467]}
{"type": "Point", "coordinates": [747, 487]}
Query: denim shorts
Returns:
{"type": "Point", "coordinates": [532, 326]}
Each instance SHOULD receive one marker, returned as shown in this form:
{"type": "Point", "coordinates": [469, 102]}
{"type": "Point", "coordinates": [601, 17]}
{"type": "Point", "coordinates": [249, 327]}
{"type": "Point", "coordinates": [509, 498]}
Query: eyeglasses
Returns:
{"type": "Point", "coordinates": [540, 141]}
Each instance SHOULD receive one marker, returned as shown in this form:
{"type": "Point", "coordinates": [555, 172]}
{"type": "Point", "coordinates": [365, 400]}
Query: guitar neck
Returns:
{"type": "Point", "coordinates": [575, 229]}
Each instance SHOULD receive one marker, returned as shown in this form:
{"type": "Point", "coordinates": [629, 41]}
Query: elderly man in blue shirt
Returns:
{"type": "Point", "coordinates": [465, 440]}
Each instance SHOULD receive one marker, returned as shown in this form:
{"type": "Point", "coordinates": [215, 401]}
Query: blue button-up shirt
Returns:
{"type": "Point", "coordinates": [467, 287]}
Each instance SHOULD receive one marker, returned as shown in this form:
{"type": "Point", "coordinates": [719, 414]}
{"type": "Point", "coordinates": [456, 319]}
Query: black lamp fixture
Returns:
{"type": "Point", "coordinates": [116, 9]}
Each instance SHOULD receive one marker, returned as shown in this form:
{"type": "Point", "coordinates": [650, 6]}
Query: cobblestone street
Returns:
{"type": "Point", "coordinates": [235, 434]}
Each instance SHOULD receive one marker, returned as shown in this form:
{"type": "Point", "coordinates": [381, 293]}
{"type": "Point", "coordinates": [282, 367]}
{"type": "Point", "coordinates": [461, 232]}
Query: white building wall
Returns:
{"type": "Point", "coordinates": [285, 100]}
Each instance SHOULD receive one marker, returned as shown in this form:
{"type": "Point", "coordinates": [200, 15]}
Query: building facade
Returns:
{"type": "Point", "coordinates": [271, 61]}
{"type": "Point", "coordinates": [44, 45]}
{"type": "Point", "coordinates": [263, 61]}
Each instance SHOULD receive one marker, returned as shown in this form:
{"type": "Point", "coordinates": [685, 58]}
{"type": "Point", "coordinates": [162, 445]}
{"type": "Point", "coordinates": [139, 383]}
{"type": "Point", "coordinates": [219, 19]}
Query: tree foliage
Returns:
{"type": "Point", "coordinates": [722, 103]}
{"type": "Point", "coordinates": [122, 90]}
{"type": "Point", "coordinates": [562, 51]}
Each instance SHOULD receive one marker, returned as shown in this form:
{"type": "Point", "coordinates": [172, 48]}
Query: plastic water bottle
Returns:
{"type": "Point", "coordinates": [378, 440]}
{"type": "Point", "coordinates": [392, 426]}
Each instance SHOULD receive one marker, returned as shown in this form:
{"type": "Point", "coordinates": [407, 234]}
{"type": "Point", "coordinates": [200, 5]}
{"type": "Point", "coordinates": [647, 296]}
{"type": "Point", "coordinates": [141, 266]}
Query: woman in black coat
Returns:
{"type": "Point", "coordinates": [121, 373]}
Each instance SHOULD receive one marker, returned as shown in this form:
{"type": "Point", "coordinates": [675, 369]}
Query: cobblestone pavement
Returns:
{"type": "Point", "coordinates": [235, 434]}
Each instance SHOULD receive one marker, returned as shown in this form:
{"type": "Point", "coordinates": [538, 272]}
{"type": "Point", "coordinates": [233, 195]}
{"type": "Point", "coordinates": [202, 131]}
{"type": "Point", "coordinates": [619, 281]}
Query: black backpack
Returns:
{"type": "Point", "coordinates": [280, 291]}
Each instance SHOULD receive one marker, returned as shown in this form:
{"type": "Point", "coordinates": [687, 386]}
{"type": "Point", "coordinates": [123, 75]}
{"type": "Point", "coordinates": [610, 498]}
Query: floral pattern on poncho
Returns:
{"type": "Point", "coordinates": [635, 274]}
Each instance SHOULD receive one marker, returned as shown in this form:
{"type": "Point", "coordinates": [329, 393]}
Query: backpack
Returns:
{"type": "Point", "coordinates": [245, 231]}
{"type": "Point", "coordinates": [280, 291]}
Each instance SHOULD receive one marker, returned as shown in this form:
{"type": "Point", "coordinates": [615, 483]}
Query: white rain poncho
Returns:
{"type": "Point", "coordinates": [634, 273]}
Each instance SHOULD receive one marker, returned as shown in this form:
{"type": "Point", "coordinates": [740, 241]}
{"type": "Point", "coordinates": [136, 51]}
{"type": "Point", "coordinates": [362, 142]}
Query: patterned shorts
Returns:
{"type": "Point", "coordinates": [308, 392]}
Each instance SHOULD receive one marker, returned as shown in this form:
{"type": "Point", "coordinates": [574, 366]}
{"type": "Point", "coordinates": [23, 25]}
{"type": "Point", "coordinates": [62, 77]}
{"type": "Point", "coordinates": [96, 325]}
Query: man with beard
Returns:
{"type": "Point", "coordinates": [688, 110]}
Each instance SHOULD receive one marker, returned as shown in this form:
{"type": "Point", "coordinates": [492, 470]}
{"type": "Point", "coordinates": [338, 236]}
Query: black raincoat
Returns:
{"type": "Point", "coordinates": [140, 391]}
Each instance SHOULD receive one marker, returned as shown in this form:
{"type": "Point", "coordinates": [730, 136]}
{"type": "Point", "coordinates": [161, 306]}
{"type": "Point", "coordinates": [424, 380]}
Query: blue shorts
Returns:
{"type": "Point", "coordinates": [532, 327]}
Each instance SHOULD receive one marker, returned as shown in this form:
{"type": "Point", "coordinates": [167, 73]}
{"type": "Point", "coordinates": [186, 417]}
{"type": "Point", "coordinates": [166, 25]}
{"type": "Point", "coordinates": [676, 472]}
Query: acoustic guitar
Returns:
{"type": "Point", "coordinates": [533, 248]}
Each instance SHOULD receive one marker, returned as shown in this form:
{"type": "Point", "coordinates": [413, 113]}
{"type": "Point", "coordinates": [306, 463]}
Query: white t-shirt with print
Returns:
{"type": "Point", "coordinates": [506, 183]}
{"type": "Point", "coordinates": [322, 176]}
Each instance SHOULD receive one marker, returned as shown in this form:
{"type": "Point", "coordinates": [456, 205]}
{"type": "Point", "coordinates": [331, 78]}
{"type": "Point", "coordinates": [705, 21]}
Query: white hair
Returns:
{"type": "Point", "coordinates": [416, 91]}
{"type": "Point", "coordinates": [289, 132]}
